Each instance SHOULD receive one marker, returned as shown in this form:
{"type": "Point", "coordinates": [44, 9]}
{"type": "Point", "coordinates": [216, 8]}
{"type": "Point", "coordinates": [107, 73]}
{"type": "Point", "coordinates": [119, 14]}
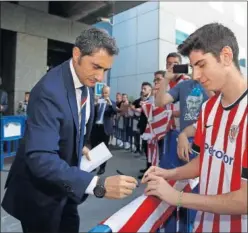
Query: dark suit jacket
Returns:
{"type": "Point", "coordinates": [3, 100]}
{"type": "Point", "coordinates": [108, 117]}
{"type": "Point", "coordinates": [45, 173]}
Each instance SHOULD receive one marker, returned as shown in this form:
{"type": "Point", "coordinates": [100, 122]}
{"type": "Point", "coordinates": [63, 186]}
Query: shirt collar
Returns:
{"type": "Point", "coordinates": [77, 83]}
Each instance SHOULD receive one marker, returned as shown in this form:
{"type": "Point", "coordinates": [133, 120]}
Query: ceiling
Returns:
{"type": "Point", "coordinates": [89, 12]}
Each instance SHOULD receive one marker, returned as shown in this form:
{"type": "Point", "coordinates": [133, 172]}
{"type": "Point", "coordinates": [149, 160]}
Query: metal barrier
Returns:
{"type": "Point", "coordinates": [143, 214]}
{"type": "Point", "coordinates": [12, 130]}
{"type": "Point", "coordinates": [125, 129]}
{"type": "Point", "coordinates": [165, 217]}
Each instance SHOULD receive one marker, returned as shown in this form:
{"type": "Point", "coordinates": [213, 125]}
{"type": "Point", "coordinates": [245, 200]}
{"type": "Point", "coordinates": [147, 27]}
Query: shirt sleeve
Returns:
{"type": "Point", "coordinates": [91, 186]}
{"type": "Point", "coordinates": [175, 92]}
{"type": "Point", "coordinates": [244, 174]}
{"type": "Point", "coordinates": [198, 135]}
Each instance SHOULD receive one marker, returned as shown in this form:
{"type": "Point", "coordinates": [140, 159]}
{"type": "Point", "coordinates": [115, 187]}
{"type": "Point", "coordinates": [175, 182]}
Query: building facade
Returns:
{"type": "Point", "coordinates": [148, 32]}
{"type": "Point", "coordinates": [145, 34]}
{"type": "Point", "coordinates": [33, 27]}
{"type": "Point", "coordinates": [37, 35]}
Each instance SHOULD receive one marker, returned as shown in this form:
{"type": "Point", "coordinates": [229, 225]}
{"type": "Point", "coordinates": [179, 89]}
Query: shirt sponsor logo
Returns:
{"type": "Point", "coordinates": [233, 132]}
{"type": "Point", "coordinates": [211, 151]}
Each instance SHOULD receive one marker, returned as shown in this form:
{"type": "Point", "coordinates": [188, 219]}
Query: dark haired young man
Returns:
{"type": "Point", "coordinates": [221, 137]}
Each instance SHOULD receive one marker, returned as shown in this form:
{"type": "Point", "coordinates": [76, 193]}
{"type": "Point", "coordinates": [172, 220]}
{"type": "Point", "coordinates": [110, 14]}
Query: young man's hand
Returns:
{"type": "Point", "coordinates": [183, 147]}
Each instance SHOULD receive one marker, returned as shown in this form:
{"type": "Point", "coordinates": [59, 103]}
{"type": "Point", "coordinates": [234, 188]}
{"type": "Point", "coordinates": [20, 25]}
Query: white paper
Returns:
{"type": "Point", "coordinates": [98, 156]}
{"type": "Point", "coordinates": [12, 130]}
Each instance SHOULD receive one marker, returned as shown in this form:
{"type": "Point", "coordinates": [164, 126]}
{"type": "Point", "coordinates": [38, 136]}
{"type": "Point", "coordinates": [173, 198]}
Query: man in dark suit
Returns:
{"type": "Point", "coordinates": [3, 99]}
{"type": "Point", "coordinates": [45, 184]}
{"type": "Point", "coordinates": [103, 122]}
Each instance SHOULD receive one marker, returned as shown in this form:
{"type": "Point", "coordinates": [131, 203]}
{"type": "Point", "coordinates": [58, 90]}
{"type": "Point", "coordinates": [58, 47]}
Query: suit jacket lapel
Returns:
{"type": "Point", "coordinates": [71, 95]}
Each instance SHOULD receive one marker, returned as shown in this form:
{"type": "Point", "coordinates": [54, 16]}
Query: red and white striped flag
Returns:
{"type": "Point", "coordinates": [145, 213]}
{"type": "Point", "coordinates": [157, 127]}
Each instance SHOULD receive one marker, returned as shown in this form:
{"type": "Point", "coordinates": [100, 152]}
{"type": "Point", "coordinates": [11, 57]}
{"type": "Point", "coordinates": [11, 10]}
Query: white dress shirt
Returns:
{"type": "Point", "coordinates": [78, 91]}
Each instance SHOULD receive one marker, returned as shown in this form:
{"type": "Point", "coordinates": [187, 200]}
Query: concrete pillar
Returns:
{"type": "Point", "coordinates": [31, 63]}
{"type": "Point", "coordinates": [31, 56]}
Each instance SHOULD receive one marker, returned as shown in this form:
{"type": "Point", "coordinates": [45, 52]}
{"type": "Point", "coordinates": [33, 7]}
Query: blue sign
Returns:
{"type": "Point", "coordinates": [98, 88]}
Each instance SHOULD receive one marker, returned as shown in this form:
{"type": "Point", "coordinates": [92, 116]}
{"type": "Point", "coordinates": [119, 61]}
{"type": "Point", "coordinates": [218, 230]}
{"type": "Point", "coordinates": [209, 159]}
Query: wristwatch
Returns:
{"type": "Point", "coordinates": [99, 191]}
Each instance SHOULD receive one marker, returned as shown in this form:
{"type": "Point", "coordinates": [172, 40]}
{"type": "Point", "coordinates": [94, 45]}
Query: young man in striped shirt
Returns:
{"type": "Point", "coordinates": [220, 138]}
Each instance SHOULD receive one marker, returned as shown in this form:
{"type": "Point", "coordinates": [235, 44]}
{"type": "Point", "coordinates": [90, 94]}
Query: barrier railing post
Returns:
{"type": "Point", "coordinates": [124, 139]}
{"type": "Point", "coordinates": [130, 133]}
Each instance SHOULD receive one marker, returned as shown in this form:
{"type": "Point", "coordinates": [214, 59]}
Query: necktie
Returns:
{"type": "Point", "coordinates": [83, 116]}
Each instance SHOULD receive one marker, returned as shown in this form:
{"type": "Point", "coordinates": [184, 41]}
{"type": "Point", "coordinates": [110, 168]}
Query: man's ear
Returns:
{"type": "Point", "coordinates": [76, 54]}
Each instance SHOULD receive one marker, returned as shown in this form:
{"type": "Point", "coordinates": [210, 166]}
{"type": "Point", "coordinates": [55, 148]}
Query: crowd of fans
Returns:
{"type": "Point", "coordinates": [184, 98]}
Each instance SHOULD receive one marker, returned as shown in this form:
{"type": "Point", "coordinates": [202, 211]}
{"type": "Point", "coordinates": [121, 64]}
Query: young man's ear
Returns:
{"type": "Point", "coordinates": [226, 56]}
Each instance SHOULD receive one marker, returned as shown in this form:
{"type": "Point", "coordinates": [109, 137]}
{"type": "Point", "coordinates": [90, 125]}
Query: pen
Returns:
{"type": "Point", "coordinates": [122, 174]}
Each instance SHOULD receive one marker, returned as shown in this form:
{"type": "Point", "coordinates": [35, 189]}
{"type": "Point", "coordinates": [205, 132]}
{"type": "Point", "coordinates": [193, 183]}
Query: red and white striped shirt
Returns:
{"type": "Point", "coordinates": [221, 139]}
